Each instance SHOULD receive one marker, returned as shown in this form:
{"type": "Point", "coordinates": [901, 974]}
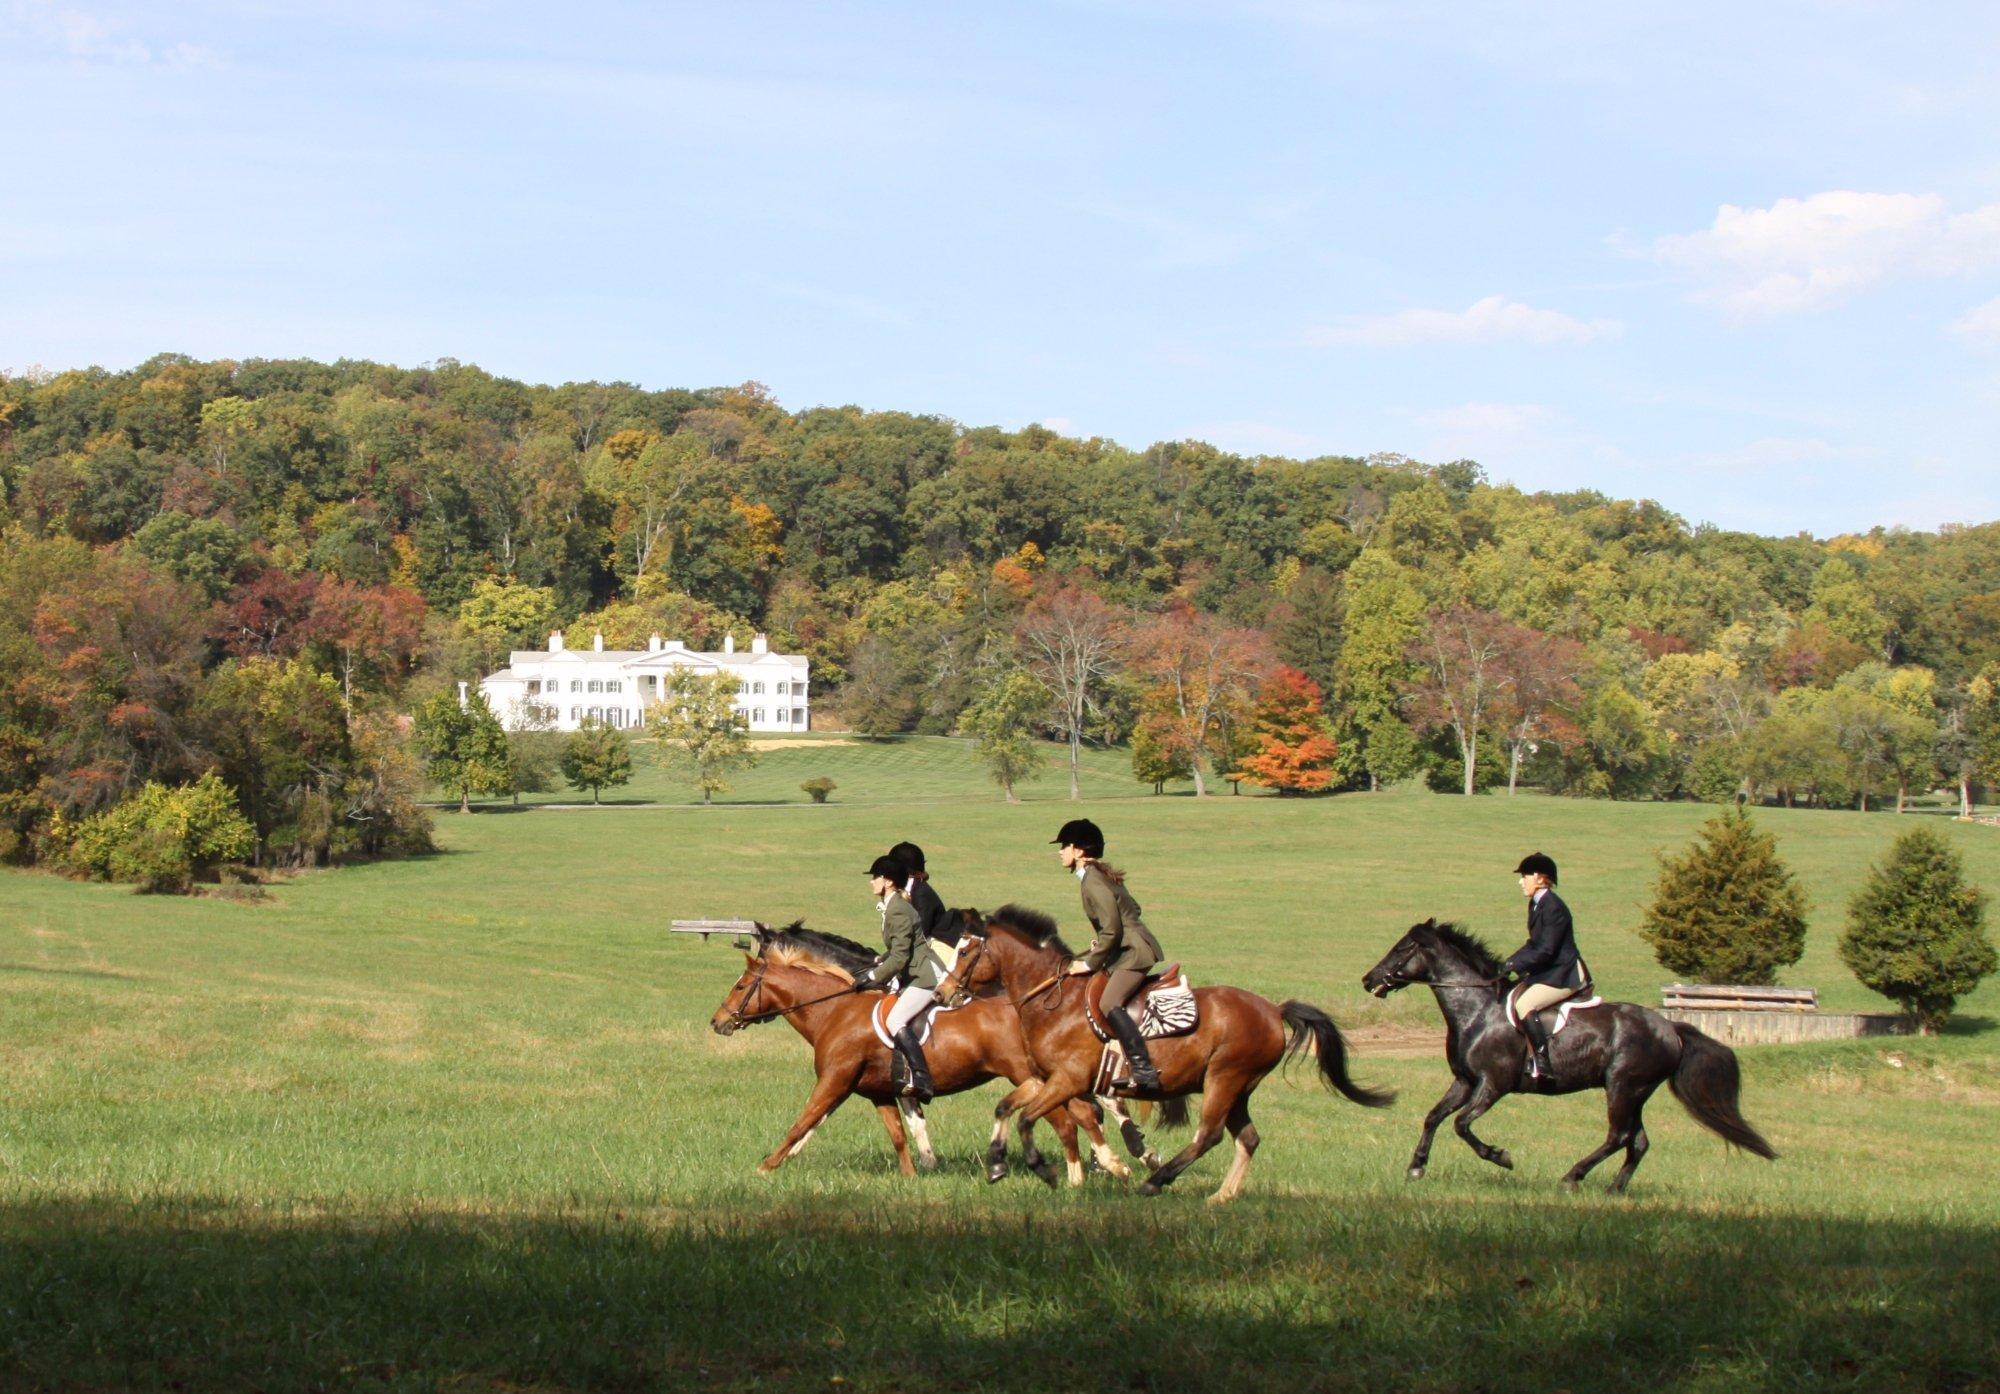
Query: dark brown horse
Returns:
{"type": "Point", "coordinates": [807, 978]}
{"type": "Point", "coordinates": [1240, 1038]}
{"type": "Point", "coordinates": [1622, 1048]}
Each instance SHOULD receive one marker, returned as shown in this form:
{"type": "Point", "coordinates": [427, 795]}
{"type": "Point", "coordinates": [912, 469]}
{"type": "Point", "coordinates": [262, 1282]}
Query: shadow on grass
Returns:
{"type": "Point", "coordinates": [1281, 1292]}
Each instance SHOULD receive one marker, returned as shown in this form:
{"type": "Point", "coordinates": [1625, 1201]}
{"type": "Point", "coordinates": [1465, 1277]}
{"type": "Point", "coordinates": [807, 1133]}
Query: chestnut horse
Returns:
{"type": "Point", "coordinates": [1239, 1039]}
{"type": "Point", "coordinates": [807, 978]}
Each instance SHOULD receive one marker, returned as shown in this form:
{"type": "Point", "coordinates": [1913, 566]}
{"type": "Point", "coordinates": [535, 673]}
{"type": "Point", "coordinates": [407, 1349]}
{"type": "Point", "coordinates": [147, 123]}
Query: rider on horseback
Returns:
{"type": "Point", "coordinates": [1123, 944]}
{"type": "Point", "coordinates": [1548, 966]}
{"type": "Point", "coordinates": [909, 954]}
{"type": "Point", "coordinates": [918, 891]}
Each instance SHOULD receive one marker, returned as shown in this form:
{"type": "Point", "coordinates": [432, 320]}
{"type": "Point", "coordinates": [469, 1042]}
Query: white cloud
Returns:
{"type": "Point", "coordinates": [1255, 438]}
{"type": "Point", "coordinates": [1980, 327]}
{"type": "Point", "coordinates": [1492, 320]}
{"type": "Point", "coordinates": [1770, 453]}
{"type": "Point", "coordinates": [93, 39]}
{"type": "Point", "coordinates": [1484, 421]}
{"type": "Point", "coordinates": [1804, 253]}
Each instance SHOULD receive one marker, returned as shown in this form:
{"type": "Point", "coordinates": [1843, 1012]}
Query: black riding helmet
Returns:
{"type": "Point", "coordinates": [910, 855]}
{"type": "Point", "coordinates": [1081, 834]}
{"type": "Point", "coordinates": [891, 867]}
{"type": "Point", "coordinates": [1537, 862]}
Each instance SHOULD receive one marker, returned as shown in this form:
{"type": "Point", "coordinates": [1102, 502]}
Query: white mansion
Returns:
{"type": "Point", "coordinates": [616, 685]}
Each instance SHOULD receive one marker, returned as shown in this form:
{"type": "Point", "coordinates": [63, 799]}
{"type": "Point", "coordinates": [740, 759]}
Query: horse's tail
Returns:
{"type": "Point", "coordinates": [1706, 1082]}
{"type": "Point", "coordinates": [1313, 1030]}
{"type": "Point", "coordinates": [1174, 1112]}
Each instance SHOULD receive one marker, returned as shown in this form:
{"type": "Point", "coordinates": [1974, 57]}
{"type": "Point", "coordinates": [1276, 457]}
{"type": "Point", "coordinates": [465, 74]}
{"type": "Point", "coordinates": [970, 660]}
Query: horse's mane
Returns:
{"type": "Point", "coordinates": [1032, 925]}
{"type": "Point", "coordinates": [799, 947]}
{"type": "Point", "coordinates": [1470, 946]}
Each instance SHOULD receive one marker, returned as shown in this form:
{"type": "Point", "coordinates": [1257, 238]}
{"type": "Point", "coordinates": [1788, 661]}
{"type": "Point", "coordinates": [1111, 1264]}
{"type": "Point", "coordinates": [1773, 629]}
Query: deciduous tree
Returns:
{"type": "Point", "coordinates": [1296, 753]}
{"type": "Point", "coordinates": [700, 735]}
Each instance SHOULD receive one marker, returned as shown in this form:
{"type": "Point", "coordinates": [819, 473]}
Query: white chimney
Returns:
{"type": "Point", "coordinates": [758, 644]}
{"type": "Point", "coordinates": [555, 641]}
{"type": "Point", "coordinates": [598, 642]}
{"type": "Point", "coordinates": [654, 644]}
{"type": "Point", "coordinates": [462, 698]}
{"type": "Point", "coordinates": [729, 643]}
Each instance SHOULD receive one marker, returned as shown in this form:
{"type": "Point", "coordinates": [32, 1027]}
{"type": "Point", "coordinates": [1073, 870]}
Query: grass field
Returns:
{"type": "Point", "coordinates": [459, 1123]}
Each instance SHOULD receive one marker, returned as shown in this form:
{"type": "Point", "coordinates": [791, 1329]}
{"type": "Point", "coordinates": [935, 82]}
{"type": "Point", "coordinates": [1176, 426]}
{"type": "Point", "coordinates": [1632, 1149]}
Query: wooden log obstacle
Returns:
{"type": "Point", "coordinates": [1742, 1015]}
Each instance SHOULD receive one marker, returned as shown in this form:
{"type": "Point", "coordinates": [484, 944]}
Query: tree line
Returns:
{"type": "Point", "coordinates": [335, 543]}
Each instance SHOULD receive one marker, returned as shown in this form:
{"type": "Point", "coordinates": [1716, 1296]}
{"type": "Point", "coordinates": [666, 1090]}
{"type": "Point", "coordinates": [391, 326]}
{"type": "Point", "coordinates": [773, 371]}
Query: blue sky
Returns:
{"type": "Point", "coordinates": [1741, 259]}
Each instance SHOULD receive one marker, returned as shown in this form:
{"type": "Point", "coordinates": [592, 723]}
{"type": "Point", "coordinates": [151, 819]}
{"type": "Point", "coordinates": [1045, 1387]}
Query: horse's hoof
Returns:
{"type": "Point", "coordinates": [1569, 1183]}
{"type": "Point", "coordinates": [1150, 1188]}
{"type": "Point", "coordinates": [1415, 1173]}
{"type": "Point", "coordinates": [1153, 1160]}
{"type": "Point", "coordinates": [1502, 1160]}
{"type": "Point", "coordinates": [997, 1172]}
{"type": "Point", "coordinates": [927, 1164]}
{"type": "Point", "coordinates": [1047, 1176]}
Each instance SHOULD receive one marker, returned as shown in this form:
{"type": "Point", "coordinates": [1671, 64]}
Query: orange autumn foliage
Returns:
{"type": "Point", "coordinates": [1295, 747]}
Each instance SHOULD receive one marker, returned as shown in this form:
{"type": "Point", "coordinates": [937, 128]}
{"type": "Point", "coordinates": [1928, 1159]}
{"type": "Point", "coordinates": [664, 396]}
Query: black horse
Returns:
{"type": "Point", "coordinates": [1622, 1048]}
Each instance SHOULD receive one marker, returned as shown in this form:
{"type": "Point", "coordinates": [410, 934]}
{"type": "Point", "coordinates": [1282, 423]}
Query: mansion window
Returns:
{"type": "Point", "coordinates": [596, 686]}
{"type": "Point", "coordinates": [757, 688]}
{"type": "Point", "coordinates": [575, 685]}
{"type": "Point", "coordinates": [757, 715]}
{"type": "Point", "coordinates": [614, 686]}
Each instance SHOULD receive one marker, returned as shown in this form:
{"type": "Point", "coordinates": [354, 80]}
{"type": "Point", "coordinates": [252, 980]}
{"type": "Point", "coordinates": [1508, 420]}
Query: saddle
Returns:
{"type": "Point", "coordinates": [1557, 1017]}
{"type": "Point", "coordinates": [1164, 1005]}
{"type": "Point", "coordinates": [878, 1017]}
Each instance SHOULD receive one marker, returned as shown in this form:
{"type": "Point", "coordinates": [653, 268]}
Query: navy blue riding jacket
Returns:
{"type": "Point", "coordinates": [930, 911]}
{"type": "Point", "coordinates": [1549, 957]}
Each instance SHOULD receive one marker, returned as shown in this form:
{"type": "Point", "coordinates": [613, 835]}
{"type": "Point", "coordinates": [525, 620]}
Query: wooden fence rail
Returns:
{"type": "Point", "coordinates": [1725, 997]}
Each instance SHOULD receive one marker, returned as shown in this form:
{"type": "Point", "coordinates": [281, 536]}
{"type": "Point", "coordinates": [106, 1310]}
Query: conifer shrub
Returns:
{"type": "Point", "coordinates": [1726, 908]}
{"type": "Point", "coordinates": [1916, 929]}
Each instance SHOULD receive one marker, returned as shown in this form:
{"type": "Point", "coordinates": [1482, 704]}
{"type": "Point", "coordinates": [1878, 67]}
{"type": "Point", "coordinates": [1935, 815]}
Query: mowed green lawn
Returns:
{"type": "Point", "coordinates": [460, 1123]}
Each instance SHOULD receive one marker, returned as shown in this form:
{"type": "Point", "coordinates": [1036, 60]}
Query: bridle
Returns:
{"type": "Point", "coordinates": [1398, 978]}
{"type": "Point", "coordinates": [969, 956]}
{"type": "Point", "coordinates": [739, 1016]}
{"type": "Point", "coordinates": [960, 992]}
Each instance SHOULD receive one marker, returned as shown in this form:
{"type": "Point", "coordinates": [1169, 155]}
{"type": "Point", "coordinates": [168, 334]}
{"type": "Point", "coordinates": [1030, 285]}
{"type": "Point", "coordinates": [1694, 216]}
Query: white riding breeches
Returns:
{"type": "Point", "coordinates": [910, 1004]}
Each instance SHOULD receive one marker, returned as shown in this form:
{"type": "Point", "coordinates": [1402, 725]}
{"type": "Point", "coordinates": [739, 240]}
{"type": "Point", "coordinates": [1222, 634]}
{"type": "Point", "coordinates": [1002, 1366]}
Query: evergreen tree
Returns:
{"type": "Point", "coordinates": [596, 757]}
{"type": "Point", "coordinates": [463, 748]}
{"type": "Point", "coordinates": [1726, 909]}
{"type": "Point", "coordinates": [1916, 930]}
{"type": "Point", "coordinates": [1001, 724]}
{"type": "Point", "coordinates": [1295, 747]}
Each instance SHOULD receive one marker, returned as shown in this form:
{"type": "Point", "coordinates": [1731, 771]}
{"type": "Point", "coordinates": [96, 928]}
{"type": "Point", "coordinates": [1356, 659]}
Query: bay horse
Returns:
{"type": "Point", "coordinates": [1238, 1040]}
{"type": "Point", "coordinates": [807, 978]}
{"type": "Point", "coordinates": [1624, 1049]}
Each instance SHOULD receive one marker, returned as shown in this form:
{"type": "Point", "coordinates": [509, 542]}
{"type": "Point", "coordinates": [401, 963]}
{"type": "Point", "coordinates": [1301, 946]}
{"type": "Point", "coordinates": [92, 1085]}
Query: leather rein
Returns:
{"type": "Point", "coordinates": [739, 1017]}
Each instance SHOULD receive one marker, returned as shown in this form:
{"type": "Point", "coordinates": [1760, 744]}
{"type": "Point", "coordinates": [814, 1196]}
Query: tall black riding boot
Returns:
{"type": "Point", "coordinates": [919, 1087]}
{"type": "Point", "coordinates": [1538, 1036]}
{"type": "Point", "coordinates": [1138, 1059]}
